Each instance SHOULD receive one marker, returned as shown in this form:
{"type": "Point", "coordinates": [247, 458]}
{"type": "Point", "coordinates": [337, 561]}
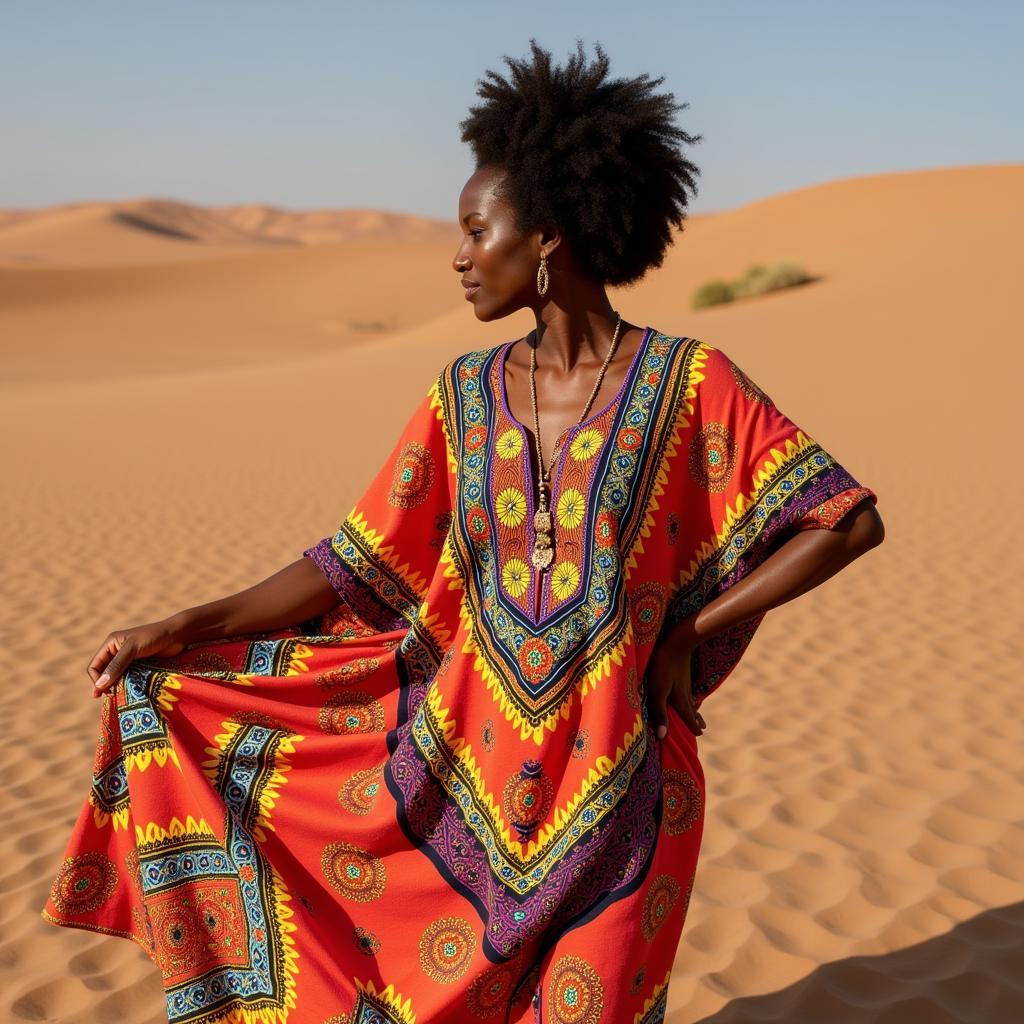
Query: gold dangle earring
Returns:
{"type": "Point", "coordinates": [542, 272]}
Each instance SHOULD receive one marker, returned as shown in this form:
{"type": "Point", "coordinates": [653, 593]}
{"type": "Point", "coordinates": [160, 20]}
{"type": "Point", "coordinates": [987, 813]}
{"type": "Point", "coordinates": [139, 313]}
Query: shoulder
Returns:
{"type": "Point", "coordinates": [712, 360]}
{"type": "Point", "coordinates": [715, 372]}
{"type": "Point", "coordinates": [699, 363]}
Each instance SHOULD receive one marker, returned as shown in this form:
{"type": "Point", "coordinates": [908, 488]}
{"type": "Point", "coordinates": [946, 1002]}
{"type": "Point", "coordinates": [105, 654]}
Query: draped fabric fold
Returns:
{"type": "Point", "coordinates": [438, 801]}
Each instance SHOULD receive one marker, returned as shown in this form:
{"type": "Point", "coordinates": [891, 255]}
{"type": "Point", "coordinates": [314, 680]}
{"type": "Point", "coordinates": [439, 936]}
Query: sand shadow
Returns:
{"type": "Point", "coordinates": [973, 973]}
{"type": "Point", "coordinates": [135, 220]}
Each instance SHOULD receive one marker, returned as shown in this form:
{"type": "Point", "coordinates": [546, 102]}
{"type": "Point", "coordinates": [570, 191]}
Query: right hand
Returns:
{"type": "Point", "coordinates": [670, 682]}
{"type": "Point", "coordinates": [123, 646]}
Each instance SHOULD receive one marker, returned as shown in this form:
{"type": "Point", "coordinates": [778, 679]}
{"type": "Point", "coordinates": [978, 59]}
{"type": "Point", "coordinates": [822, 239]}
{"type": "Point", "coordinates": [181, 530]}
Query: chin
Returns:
{"type": "Point", "coordinates": [484, 315]}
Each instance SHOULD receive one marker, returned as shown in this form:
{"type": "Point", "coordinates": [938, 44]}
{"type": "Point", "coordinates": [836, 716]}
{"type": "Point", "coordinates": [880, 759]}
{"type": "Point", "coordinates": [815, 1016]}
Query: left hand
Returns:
{"type": "Point", "coordinates": [669, 682]}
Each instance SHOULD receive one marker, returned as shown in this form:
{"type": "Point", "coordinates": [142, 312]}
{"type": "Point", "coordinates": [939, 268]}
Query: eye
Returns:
{"type": "Point", "coordinates": [476, 232]}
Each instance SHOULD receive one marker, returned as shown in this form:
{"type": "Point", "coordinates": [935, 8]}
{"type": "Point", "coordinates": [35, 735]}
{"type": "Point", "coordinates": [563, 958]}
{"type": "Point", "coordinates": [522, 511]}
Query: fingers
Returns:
{"type": "Point", "coordinates": [690, 715]}
{"type": "Point", "coordinates": [103, 655]}
{"type": "Point", "coordinates": [659, 717]}
{"type": "Point", "coordinates": [108, 665]}
{"type": "Point", "coordinates": [682, 704]}
{"type": "Point", "coordinates": [110, 676]}
{"type": "Point", "coordinates": [658, 685]}
{"type": "Point", "coordinates": [693, 719]}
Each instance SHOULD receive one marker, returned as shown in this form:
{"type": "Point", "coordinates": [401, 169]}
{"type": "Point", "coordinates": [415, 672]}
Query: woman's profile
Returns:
{"type": "Point", "coordinates": [444, 766]}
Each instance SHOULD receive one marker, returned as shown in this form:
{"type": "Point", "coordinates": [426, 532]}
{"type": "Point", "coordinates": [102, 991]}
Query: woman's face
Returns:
{"type": "Point", "coordinates": [493, 255]}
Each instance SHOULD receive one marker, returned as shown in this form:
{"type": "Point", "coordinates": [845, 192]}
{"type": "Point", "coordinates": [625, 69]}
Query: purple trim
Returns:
{"type": "Point", "coordinates": [596, 870]}
{"type": "Point", "coordinates": [351, 590]}
{"type": "Point", "coordinates": [714, 660]}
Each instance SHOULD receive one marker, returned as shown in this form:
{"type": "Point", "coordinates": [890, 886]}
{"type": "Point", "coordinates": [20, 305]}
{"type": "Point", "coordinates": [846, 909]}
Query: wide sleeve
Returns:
{"type": "Point", "coordinates": [385, 552]}
{"type": "Point", "coordinates": [753, 479]}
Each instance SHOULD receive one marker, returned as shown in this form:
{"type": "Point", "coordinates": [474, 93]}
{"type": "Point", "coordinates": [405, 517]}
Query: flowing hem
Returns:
{"type": "Point", "coordinates": [90, 926]}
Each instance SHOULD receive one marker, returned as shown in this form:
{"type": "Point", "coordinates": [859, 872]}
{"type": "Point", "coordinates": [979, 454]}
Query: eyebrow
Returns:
{"type": "Point", "coordinates": [475, 213]}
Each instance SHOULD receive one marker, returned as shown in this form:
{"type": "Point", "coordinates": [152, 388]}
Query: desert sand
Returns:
{"type": "Point", "coordinates": [181, 390]}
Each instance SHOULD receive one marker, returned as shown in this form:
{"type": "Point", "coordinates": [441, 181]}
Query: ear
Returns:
{"type": "Point", "coordinates": [548, 240]}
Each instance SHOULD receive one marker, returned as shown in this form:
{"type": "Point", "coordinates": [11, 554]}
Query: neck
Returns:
{"type": "Point", "coordinates": [582, 333]}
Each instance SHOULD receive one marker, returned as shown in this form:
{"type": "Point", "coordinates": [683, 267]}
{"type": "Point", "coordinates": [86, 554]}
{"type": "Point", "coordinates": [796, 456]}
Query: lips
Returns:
{"type": "Point", "coordinates": [471, 288]}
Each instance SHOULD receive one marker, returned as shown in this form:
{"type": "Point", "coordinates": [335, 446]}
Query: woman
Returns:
{"type": "Point", "coordinates": [444, 766]}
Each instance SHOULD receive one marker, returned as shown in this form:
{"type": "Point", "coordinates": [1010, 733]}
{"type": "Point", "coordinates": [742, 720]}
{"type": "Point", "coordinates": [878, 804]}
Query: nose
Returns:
{"type": "Point", "coordinates": [461, 261]}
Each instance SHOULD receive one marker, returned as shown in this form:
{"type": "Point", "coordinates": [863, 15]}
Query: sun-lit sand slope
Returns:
{"type": "Point", "coordinates": [96, 289]}
{"type": "Point", "coordinates": [183, 415]}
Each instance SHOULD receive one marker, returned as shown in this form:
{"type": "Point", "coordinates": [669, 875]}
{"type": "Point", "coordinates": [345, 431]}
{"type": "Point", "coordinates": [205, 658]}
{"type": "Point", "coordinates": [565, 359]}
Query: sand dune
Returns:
{"type": "Point", "coordinates": [165, 230]}
{"type": "Point", "coordinates": [179, 429]}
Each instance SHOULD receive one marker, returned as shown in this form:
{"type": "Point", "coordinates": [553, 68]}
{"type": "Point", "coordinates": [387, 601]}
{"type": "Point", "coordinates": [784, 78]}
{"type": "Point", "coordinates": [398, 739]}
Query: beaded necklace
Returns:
{"type": "Point", "coordinates": [544, 535]}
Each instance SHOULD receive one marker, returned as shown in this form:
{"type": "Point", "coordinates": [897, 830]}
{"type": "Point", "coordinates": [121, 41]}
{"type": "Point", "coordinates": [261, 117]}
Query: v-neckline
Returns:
{"type": "Point", "coordinates": [503, 393]}
{"type": "Point", "coordinates": [538, 599]}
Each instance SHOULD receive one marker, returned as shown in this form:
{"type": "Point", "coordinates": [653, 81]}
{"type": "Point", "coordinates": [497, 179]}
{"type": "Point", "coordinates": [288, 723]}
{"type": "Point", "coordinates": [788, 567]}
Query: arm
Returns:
{"type": "Point", "coordinates": [295, 593]}
{"type": "Point", "coordinates": [806, 560]}
{"type": "Point", "coordinates": [803, 562]}
{"type": "Point", "coordinates": [378, 561]}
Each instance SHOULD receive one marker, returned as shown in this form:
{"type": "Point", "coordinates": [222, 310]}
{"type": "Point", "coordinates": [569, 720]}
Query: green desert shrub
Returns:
{"type": "Point", "coordinates": [751, 283]}
{"type": "Point", "coordinates": [757, 280]}
{"type": "Point", "coordinates": [713, 293]}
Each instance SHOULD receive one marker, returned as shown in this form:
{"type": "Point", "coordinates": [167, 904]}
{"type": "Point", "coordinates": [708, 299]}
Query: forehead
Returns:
{"type": "Point", "coordinates": [478, 192]}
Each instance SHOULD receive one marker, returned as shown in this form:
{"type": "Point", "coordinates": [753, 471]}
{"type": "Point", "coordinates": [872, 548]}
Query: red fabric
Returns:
{"type": "Point", "coordinates": [435, 804]}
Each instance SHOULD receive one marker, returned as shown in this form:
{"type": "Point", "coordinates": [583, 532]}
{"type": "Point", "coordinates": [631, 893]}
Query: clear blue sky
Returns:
{"type": "Point", "coordinates": [343, 104]}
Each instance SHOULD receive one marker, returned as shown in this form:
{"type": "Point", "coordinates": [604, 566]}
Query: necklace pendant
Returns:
{"type": "Point", "coordinates": [543, 553]}
{"type": "Point", "coordinates": [543, 529]}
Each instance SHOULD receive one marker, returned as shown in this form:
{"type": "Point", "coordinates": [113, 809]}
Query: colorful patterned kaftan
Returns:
{"type": "Point", "coordinates": [442, 802]}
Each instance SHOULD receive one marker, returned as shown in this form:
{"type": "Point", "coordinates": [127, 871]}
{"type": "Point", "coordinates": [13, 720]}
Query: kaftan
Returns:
{"type": "Point", "coordinates": [443, 801]}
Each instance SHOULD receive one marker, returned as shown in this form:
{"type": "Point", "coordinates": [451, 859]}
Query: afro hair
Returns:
{"type": "Point", "coordinates": [598, 159]}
